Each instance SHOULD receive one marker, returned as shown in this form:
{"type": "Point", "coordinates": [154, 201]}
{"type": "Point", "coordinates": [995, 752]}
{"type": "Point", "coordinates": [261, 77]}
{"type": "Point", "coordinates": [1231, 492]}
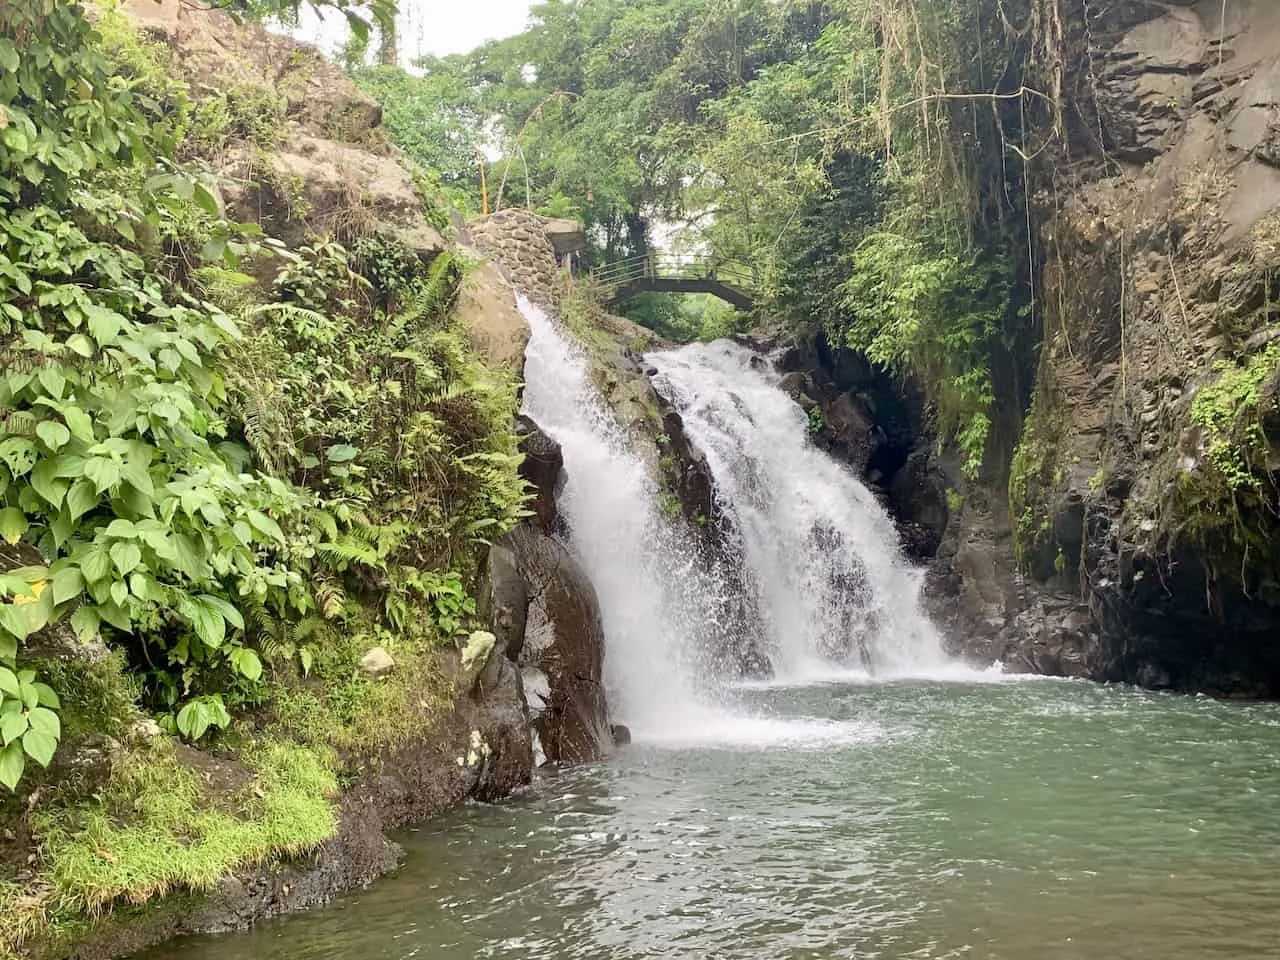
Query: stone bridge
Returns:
{"type": "Point", "coordinates": [624, 279]}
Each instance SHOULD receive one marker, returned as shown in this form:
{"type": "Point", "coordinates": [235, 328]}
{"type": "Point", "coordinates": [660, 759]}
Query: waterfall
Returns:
{"type": "Point", "coordinates": [821, 553]}
{"type": "Point", "coordinates": [656, 599]}
{"type": "Point", "coordinates": [832, 588]}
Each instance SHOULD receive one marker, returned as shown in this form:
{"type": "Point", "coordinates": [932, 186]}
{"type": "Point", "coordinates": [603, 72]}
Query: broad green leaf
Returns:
{"type": "Point", "coordinates": [46, 721]}
{"type": "Point", "coordinates": [205, 199]}
{"type": "Point", "coordinates": [9, 683]}
{"type": "Point", "coordinates": [13, 524]}
{"type": "Point", "coordinates": [80, 424]}
{"type": "Point", "coordinates": [122, 529]}
{"type": "Point", "coordinates": [12, 726]}
{"type": "Point", "coordinates": [47, 697]}
{"type": "Point", "coordinates": [9, 59]}
{"type": "Point", "coordinates": [67, 583]}
{"type": "Point", "coordinates": [52, 380]}
{"type": "Point", "coordinates": [103, 471]}
{"type": "Point", "coordinates": [341, 453]}
{"type": "Point", "coordinates": [44, 481]}
{"type": "Point", "coordinates": [135, 471]}
{"type": "Point", "coordinates": [195, 719]}
{"type": "Point", "coordinates": [115, 615]}
{"type": "Point", "coordinates": [39, 746]}
{"type": "Point", "coordinates": [80, 345]}
{"type": "Point", "coordinates": [54, 434]}
{"type": "Point", "coordinates": [247, 663]}
{"type": "Point", "coordinates": [226, 610]}
{"type": "Point", "coordinates": [81, 498]}
{"type": "Point", "coordinates": [95, 562]}
{"type": "Point", "coordinates": [104, 324]}
{"type": "Point", "coordinates": [188, 556]}
{"type": "Point", "coordinates": [12, 763]}
{"type": "Point", "coordinates": [85, 622]}
{"type": "Point", "coordinates": [208, 624]}
{"type": "Point", "coordinates": [18, 454]}
{"type": "Point", "coordinates": [126, 556]}
{"type": "Point", "coordinates": [21, 619]}
{"type": "Point", "coordinates": [265, 525]}
{"type": "Point", "coordinates": [62, 527]}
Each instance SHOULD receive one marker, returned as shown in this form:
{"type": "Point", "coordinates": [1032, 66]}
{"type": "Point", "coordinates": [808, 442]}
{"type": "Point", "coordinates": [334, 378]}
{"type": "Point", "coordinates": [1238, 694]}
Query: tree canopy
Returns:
{"type": "Point", "coordinates": [864, 157]}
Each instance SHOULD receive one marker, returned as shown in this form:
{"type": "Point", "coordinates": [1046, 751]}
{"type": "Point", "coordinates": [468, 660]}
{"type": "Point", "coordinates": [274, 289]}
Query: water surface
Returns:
{"type": "Point", "coordinates": [1025, 819]}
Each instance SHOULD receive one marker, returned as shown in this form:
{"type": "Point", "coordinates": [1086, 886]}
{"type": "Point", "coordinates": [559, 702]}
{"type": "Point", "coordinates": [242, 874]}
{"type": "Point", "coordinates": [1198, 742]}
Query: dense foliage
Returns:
{"type": "Point", "coordinates": [865, 157]}
{"type": "Point", "coordinates": [223, 480]}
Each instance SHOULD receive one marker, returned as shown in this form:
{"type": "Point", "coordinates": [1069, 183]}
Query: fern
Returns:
{"type": "Point", "coordinates": [434, 296]}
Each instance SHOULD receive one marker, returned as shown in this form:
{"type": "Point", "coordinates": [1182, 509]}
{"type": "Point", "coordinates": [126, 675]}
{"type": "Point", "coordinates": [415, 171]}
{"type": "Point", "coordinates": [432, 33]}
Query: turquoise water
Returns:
{"type": "Point", "coordinates": [1024, 819]}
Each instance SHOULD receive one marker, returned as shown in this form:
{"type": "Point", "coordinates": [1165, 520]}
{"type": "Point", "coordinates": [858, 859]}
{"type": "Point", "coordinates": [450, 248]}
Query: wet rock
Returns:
{"type": "Point", "coordinates": [799, 387]}
{"type": "Point", "coordinates": [543, 469]}
{"type": "Point", "coordinates": [621, 734]}
{"type": "Point", "coordinates": [377, 663]}
{"type": "Point", "coordinates": [504, 601]}
{"type": "Point", "coordinates": [564, 640]}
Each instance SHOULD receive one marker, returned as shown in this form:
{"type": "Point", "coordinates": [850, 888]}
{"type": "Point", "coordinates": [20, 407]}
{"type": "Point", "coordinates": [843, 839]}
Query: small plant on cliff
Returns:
{"type": "Point", "coordinates": [1228, 412]}
{"type": "Point", "coordinates": [817, 422]}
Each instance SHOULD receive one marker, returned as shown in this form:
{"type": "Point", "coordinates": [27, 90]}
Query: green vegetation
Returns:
{"type": "Point", "coordinates": [862, 156]}
{"type": "Point", "coordinates": [682, 318]}
{"type": "Point", "coordinates": [153, 829]}
{"type": "Point", "coordinates": [1033, 475]}
{"type": "Point", "coordinates": [227, 470]}
{"type": "Point", "coordinates": [1224, 505]}
{"type": "Point", "coordinates": [1229, 412]}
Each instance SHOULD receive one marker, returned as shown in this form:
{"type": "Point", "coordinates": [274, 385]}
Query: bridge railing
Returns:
{"type": "Point", "coordinates": [620, 273]}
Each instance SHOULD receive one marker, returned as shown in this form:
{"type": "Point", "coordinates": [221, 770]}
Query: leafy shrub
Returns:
{"type": "Point", "coordinates": [933, 314]}
{"type": "Point", "coordinates": [205, 500]}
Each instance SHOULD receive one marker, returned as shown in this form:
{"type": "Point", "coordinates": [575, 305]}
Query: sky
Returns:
{"type": "Point", "coordinates": [456, 26]}
{"type": "Point", "coordinates": [432, 26]}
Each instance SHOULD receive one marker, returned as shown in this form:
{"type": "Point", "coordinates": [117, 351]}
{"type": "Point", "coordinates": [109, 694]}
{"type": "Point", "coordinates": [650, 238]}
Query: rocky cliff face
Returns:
{"type": "Point", "coordinates": [1142, 493]}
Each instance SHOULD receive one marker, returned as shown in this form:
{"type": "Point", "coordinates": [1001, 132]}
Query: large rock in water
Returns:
{"type": "Point", "coordinates": [537, 590]}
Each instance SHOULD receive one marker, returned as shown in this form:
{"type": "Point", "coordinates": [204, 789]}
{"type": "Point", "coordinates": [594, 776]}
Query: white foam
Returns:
{"type": "Point", "coordinates": [711, 729]}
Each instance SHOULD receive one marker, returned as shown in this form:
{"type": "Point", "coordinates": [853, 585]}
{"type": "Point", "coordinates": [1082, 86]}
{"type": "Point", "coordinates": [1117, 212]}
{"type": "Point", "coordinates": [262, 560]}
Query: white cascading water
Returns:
{"type": "Point", "coordinates": [833, 589]}
{"type": "Point", "coordinates": [655, 600]}
{"type": "Point", "coordinates": [659, 602]}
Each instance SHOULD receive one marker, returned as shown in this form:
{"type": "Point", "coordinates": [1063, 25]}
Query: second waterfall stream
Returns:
{"type": "Point", "coordinates": [831, 598]}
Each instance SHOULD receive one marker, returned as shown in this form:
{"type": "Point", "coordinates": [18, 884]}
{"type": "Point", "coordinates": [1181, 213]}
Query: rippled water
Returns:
{"type": "Point", "coordinates": [1026, 819]}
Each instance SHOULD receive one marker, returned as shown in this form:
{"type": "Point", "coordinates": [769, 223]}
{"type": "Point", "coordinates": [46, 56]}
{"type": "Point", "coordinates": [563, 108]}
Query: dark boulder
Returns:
{"type": "Point", "coordinates": [564, 640]}
{"type": "Point", "coordinates": [542, 469]}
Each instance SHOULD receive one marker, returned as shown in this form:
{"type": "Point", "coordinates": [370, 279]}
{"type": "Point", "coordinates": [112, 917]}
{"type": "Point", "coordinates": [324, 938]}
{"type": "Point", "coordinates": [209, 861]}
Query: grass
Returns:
{"type": "Point", "coordinates": [164, 825]}
{"type": "Point", "coordinates": [339, 707]}
{"type": "Point", "coordinates": [159, 829]}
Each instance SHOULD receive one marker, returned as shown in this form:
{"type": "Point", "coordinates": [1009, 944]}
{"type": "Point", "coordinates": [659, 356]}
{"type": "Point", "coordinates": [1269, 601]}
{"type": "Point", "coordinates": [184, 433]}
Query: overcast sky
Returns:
{"type": "Point", "coordinates": [434, 26]}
